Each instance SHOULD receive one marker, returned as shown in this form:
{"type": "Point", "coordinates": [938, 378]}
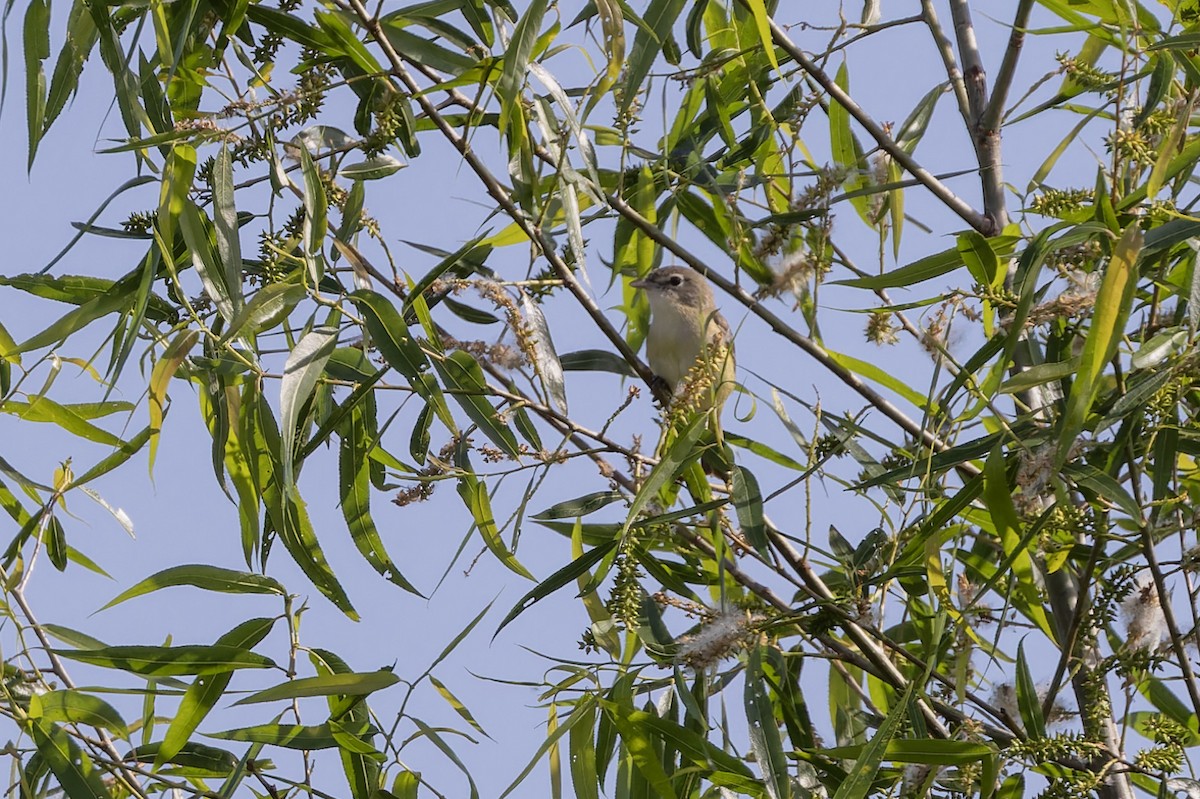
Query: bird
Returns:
{"type": "Point", "coordinates": [688, 344]}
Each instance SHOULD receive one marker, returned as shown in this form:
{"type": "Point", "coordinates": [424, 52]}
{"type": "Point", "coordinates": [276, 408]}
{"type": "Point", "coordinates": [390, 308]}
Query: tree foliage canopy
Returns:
{"type": "Point", "coordinates": [1011, 460]}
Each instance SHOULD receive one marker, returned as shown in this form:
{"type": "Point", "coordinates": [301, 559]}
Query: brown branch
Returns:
{"type": "Point", "coordinates": [886, 143]}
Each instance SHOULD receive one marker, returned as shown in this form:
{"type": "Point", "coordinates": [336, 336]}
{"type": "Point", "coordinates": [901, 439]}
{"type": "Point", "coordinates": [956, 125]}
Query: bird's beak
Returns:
{"type": "Point", "coordinates": [639, 284]}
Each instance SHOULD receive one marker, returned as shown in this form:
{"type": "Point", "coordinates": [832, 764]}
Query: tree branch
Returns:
{"type": "Point", "coordinates": [1008, 68]}
{"type": "Point", "coordinates": [974, 75]}
{"type": "Point", "coordinates": [886, 143]}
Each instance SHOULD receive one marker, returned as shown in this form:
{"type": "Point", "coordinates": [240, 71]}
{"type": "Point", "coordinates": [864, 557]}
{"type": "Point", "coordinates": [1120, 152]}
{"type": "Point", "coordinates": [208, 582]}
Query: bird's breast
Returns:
{"type": "Point", "coordinates": [673, 344]}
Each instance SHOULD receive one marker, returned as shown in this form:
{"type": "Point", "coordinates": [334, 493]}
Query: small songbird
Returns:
{"type": "Point", "coordinates": [688, 344]}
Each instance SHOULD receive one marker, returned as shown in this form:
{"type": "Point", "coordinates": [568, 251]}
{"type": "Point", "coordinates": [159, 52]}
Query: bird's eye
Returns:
{"type": "Point", "coordinates": [676, 280]}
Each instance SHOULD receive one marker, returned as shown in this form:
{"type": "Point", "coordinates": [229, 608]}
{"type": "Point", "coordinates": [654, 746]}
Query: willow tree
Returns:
{"type": "Point", "coordinates": [1007, 601]}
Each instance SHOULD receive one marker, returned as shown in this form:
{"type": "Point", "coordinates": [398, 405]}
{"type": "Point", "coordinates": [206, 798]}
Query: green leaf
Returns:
{"type": "Point", "coordinates": [680, 452]}
{"type": "Point", "coordinates": [304, 367]}
{"type": "Point", "coordinates": [44, 409]}
{"type": "Point", "coordinates": [78, 289]}
{"type": "Point", "coordinates": [75, 320]}
{"type": "Point", "coordinates": [295, 736]}
{"type": "Point", "coordinates": [918, 271]}
{"type": "Point", "coordinates": [981, 260]}
{"type": "Point", "coordinates": [882, 377]}
{"type": "Point", "coordinates": [115, 459]}
{"type": "Point", "coordinates": [765, 740]}
{"type": "Point", "coordinates": [64, 83]}
{"type": "Point", "coordinates": [196, 759]}
{"type": "Point", "coordinates": [375, 168]}
{"type": "Point", "coordinates": [315, 221]}
{"type": "Point", "coordinates": [178, 176]}
{"type": "Point", "coordinates": [1113, 303]}
{"type": "Point", "coordinates": [582, 751]}
{"type": "Point", "coordinates": [580, 506]}
{"type": "Point", "coordinates": [913, 130]}
{"type": "Point", "coordinates": [79, 708]}
{"type": "Point", "coordinates": [929, 751]}
{"type": "Point", "coordinates": [456, 704]}
{"type": "Point", "coordinates": [402, 352]}
{"type": "Point", "coordinates": [200, 236]}
{"type": "Point", "coordinates": [762, 23]}
{"type": "Point", "coordinates": [358, 438]}
{"type": "Point", "coordinates": [660, 17]}
{"type": "Point", "coordinates": [203, 694]}
{"type": "Point", "coordinates": [857, 784]}
{"type": "Point", "coordinates": [289, 517]}
{"type": "Point", "coordinates": [36, 39]}
{"type": "Point", "coordinates": [160, 377]}
{"type": "Point", "coordinates": [748, 502]}
{"type": "Point", "coordinates": [360, 759]}
{"type": "Point", "coordinates": [636, 735]}
{"type": "Point", "coordinates": [567, 574]}
{"type": "Point", "coordinates": [73, 769]}
{"type": "Point", "coordinates": [764, 451]}
{"type": "Point", "coordinates": [84, 410]}
{"type": "Point", "coordinates": [169, 661]}
{"type": "Point", "coordinates": [462, 375]}
{"type": "Point", "coordinates": [55, 538]}
{"type": "Point", "coordinates": [448, 751]}
{"type": "Point", "coordinates": [406, 784]}
{"type": "Point", "coordinates": [267, 308]}
{"type": "Point", "coordinates": [596, 361]}
{"type": "Point", "coordinates": [998, 497]}
{"type": "Point", "coordinates": [225, 222]}
{"type": "Point", "coordinates": [1028, 704]}
{"type": "Point", "coordinates": [343, 37]}
{"type": "Point", "coordinates": [475, 496]}
{"type": "Point", "coordinates": [464, 262]}
{"type": "Point", "coordinates": [720, 766]}
{"type": "Point", "coordinates": [344, 684]}
{"type": "Point", "coordinates": [516, 60]}
{"type": "Point", "coordinates": [927, 268]}
{"type": "Point", "coordinates": [1039, 375]}
{"type": "Point", "coordinates": [424, 51]}
{"type": "Point", "coordinates": [847, 153]}
{"type": "Point", "coordinates": [208, 578]}
{"type": "Point", "coordinates": [462, 635]}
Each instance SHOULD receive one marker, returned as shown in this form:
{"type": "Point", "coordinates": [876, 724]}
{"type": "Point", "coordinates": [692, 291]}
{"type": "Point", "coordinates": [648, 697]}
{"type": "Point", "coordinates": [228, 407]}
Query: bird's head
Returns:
{"type": "Point", "coordinates": [679, 290]}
